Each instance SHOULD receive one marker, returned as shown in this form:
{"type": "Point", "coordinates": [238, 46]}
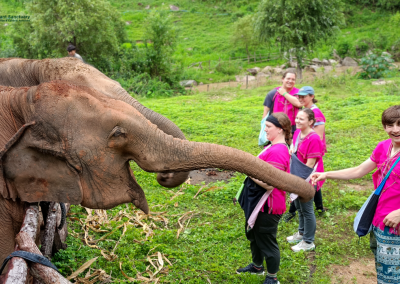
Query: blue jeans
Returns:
{"type": "Point", "coordinates": [307, 222]}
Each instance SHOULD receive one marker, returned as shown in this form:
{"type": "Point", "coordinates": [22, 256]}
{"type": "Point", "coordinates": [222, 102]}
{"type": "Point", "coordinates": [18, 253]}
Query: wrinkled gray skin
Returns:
{"type": "Point", "coordinates": [65, 143]}
{"type": "Point", "coordinates": [17, 72]}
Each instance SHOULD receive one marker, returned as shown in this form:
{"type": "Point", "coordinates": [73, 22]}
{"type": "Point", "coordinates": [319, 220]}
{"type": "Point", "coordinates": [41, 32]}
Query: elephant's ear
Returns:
{"type": "Point", "coordinates": [33, 170]}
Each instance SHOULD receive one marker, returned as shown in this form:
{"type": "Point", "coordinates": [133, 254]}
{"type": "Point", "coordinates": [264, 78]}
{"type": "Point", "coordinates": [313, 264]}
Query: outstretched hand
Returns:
{"type": "Point", "coordinates": [316, 177]}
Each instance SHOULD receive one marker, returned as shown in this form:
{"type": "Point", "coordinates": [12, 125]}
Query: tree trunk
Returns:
{"type": "Point", "coordinates": [299, 66]}
{"type": "Point", "coordinates": [49, 231]}
{"type": "Point", "coordinates": [61, 235]}
{"type": "Point", "coordinates": [17, 267]}
{"type": "Point", "coordinates": [248, 54]}
{"type": "Point", "coordinates": [43, 273]}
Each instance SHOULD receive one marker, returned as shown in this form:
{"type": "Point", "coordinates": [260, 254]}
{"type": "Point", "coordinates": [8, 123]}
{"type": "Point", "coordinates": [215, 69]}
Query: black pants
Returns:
{"type": "Point", "coordinates": [263, 242]}
{"type": "Point", "coordinates": [317, 201]}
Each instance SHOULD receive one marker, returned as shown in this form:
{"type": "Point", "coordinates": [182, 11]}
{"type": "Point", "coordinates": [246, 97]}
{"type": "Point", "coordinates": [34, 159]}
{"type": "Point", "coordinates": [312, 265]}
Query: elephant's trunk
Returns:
{"type": "Point", "coordinates": [170, 154]}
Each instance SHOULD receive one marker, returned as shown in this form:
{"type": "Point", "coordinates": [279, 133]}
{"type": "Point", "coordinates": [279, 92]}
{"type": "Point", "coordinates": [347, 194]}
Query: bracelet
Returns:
{"type": "Point", "coordinates": [284, 94]}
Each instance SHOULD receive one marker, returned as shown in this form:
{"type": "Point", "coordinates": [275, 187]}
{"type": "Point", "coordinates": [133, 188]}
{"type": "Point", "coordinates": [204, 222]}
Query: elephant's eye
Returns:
{"type": "Point", "coordinates": [117, 132]}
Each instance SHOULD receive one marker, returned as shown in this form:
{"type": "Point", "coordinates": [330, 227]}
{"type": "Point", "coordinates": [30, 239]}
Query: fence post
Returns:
{"type": "Point", "coordinates": [255, 56]}
{"type": "Point", "coordinates": [209, 63]}
{"type": "Point", "coordinates": [247, 81]}
{"type": "Point", "coordinates": [201, 68]}
{"type": "Point", "coordinates": [207, 87]}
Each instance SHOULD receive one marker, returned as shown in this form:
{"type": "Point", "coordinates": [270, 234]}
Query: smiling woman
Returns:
{"type": "Point", "coordinates": [386, 219]}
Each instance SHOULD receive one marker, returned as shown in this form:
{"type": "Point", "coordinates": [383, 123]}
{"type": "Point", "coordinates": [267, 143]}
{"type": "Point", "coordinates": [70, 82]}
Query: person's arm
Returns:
{"type": "Point", "coordinates": [291, 99]}
{"type": "Point", "coordinates": [320, 129]}
{"type": "Point", "coordinates": [266, 110]}
{"type": "Point", "coordinates": [346, 174]}
{"type": "Point", "coordinates": [262, 184]}
{"type": "Point", "coordinates": [311, 162]}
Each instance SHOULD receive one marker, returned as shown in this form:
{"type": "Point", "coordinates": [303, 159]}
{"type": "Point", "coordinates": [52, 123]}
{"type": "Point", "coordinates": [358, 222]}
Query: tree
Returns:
{"type": "Point", "coordinates": [298, 24]}
{"type": "Point", "coordinates": [160, 41]}
{"type": "Point", "coordinates": [93, 26]}
{"type": "Point", "coordinates": [243, 34]}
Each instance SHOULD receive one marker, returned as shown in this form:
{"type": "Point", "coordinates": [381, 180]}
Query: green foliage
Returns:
{"type": "Point", "coordinates": [228, 68]}
{"type": "Point", "coordinates": [343, 48]}
{"type": "Point", "coordinates": [375, 66]}
{"type": "Point", "coordinates": [301, 26]}
{"type": "Point", "coordinates": [243, 33]}
{"type": "Point", "coordinates": [93, 26]}
{"type": "Point", "coordinates": [160, 40]}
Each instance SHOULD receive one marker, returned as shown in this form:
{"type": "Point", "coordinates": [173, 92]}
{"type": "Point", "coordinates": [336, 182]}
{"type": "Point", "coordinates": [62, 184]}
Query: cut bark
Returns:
{"type": "Point", "coordinates": [50, 230]}
{"type": "Point", "coordinates": [60, 235]}
{"type": "Point", "coordinates": [43, 273]}
{"type": "Point", "coordinates": [17, 267]}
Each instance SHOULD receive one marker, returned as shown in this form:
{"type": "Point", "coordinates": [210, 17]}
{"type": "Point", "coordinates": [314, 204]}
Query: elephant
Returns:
{"type": "Point", "coordinates": [66, 143]}
{"type": "Point", "coordinates": [17, 72]}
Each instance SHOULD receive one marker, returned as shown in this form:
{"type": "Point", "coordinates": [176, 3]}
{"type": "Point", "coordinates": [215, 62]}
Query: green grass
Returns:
{"type": "Point", "coordinates": [214, 245]}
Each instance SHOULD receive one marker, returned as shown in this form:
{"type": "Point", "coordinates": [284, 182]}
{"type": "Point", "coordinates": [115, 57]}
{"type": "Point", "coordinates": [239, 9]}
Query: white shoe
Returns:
{"type": "Point", "coordinates": [303, 246]}
{"type": "Point", "coordinates": [296, 238]}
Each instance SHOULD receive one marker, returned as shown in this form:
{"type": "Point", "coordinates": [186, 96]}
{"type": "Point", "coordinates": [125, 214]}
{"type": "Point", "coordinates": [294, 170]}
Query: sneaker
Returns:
{"type": "Point", "coordinates": [251, 269]}
{"type": "Point", "coordinates": [271, 280]}
{"type": "Point", "coordinates": [288, 217]}
{"type": "Point", "coordinates": [303, 246]}
{"type": "Point", "coordinates": [296, 238]}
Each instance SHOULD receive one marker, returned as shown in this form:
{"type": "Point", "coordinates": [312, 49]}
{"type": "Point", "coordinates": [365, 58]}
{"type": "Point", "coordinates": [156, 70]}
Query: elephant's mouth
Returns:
{"type": "Point", "coordinates": [136, 192]}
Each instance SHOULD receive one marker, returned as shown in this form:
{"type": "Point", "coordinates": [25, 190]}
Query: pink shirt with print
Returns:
{"type": "Point", "coordinates": [390, 197]}
{"type": "Point", "coordinates": [283, 105]}
{"type": "Point", "coordinates": [310, 147]}
{"type": "Point", "coordinates": [278, 156]}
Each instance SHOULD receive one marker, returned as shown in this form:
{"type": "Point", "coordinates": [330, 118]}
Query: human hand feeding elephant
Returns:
{"type": "Point", "coordinates": [17, 72]}
{"type": "Point", "coordinates": [67, 143]}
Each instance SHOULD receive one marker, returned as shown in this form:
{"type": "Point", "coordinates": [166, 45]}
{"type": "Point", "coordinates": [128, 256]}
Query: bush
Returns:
{"type": "Point", "coordinates": [375, 66]}
{"type": "Point", "coordinates": [228, 68]}
{"type": "Point", "coordinates": [343, 48]}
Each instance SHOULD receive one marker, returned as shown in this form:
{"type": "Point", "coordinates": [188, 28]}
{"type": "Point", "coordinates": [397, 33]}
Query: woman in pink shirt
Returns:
{"type": "Point", "coordinates": [262, 235]}
{"type": "Point", "coordinates": [308, 148]}
{"type": "Point", "coordinates": [387, 215]}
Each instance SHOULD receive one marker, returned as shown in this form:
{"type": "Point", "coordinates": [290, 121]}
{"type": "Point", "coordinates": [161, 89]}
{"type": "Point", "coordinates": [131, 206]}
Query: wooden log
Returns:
{"type": "Point", "coordinates": [61, 235]}
{"type": "Point", "coordinates": [49, 230]}
{"type": "Point", "coordinates": [43, 273]}
{"type": "Point", "coordinates": [17, 267]}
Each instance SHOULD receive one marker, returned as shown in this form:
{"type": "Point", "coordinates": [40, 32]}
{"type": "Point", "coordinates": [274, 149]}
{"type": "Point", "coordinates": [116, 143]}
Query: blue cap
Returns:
{"type": "Point", "coordinates": [305, 91]}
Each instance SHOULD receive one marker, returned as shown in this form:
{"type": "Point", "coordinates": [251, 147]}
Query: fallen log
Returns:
{"type": "Point", "coordinates": [41, 272]}
{"type": "Point", "coordinates": [61, 233]}
{"type": "Point", "coordinates": [17, 267]}
{"type": "Point", "coordinates": [49, 231]}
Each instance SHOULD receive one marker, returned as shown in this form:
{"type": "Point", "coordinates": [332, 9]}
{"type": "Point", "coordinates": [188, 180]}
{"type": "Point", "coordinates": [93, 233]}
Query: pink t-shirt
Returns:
{"type": "Point", "coordinates": [310, 147]}
{"type": "Point", "coordinates": [319, 120]}
{"type": "Point", "coordinates": [390, 197]}
{"type": "Point", "coordinates": [283, 105]}
{"type": "Point", "coordinates": [278, 156]}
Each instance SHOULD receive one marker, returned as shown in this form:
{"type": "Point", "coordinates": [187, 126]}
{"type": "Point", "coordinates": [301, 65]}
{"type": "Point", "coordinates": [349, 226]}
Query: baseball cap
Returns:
{"type": "Point", "coordinates": [305, 91]}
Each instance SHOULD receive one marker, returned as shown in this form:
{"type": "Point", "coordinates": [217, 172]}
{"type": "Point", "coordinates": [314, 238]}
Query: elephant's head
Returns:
{"type": "Point", "coordinates": [79, 143]}
{"type": "Point", "coordinates": [17, 72]}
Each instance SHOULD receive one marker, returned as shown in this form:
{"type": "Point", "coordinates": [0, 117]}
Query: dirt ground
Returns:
{"type": "Point", "coordinates": [261, 81]}
{"type": "Point", "coordinates": [361, 187]}
{"type": "Point", "coordinates": [358, 272]}
{"type": "Point", "coordinates": [209, 175]}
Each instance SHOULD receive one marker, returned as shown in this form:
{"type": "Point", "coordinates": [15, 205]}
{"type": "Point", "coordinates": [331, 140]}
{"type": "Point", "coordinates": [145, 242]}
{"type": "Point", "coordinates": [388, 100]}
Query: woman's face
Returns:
{"type": "Point", "coordinates": [272, 131]}
{"type": "Point", "coordinates": [306, 101]}
{"type": "Point", "coordinates": [302, 121]}
{"type": "Point", "coordinates": [394, 132]}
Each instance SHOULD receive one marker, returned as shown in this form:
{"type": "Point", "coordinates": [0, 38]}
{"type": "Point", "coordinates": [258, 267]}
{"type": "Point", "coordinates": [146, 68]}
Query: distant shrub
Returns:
{"type": "Point", "coordinates": [375, 66]}
{"type": "Point", "coordinates": [331, 79]}
{"type": "Point", "coordinates": [236, 16]}
{"type": "Point", "coordinates": [343, 48]}
{"type": "Point", "coordinates": [228, 68]}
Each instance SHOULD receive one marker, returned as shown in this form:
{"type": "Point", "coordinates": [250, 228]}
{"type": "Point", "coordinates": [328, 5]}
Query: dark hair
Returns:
{"type": "Point", "coordinates": [289, 72]}
{"type": "Point", "coordinates": [286, 124]}
{"type": "Point", "coordinates": [391, 115]}
{"type": "Point", "coordinates": [71, 47]}
{"type": "Point", "coordinates": [314, 100]}
{"type": "Point", "coordinates": [310, 114]}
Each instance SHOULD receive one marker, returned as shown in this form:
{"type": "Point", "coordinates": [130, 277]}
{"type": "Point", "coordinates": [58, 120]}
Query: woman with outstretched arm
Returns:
{"type": "Point", "coordinates": [387, 215]}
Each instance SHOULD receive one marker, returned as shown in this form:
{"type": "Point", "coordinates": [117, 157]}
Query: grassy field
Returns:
{"type": "Point", "coordinates": [206, 29]}
{"type": "Point", "coordinates": [212, 244]}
